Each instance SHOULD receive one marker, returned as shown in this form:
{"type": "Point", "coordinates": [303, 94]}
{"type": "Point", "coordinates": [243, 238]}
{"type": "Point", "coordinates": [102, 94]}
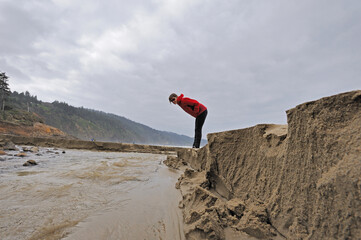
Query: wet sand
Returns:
{"type": "Point", "coordinates": [151, 212]}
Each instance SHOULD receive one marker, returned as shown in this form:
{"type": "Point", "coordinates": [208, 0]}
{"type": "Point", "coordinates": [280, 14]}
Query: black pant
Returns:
{"type": "Point", "coordinates": [198, 131]}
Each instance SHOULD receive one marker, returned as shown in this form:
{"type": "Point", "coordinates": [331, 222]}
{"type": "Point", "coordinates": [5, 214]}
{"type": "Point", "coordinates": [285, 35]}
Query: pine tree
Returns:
{"type": "Point", "coordinates": [4, 89]}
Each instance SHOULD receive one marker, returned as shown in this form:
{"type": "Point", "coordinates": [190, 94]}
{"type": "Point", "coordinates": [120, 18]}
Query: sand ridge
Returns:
{"type": "Point", "coordinates": [296, 181]}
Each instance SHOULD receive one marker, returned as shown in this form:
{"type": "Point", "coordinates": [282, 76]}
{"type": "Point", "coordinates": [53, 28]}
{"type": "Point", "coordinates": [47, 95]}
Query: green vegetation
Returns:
{"type": "Point", "coordinates": [4, 89]}
{"type": "Point", "coordinates": [85, 123]}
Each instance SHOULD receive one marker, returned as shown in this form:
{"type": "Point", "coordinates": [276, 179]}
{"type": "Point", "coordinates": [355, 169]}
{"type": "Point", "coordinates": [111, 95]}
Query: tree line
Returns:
{"type": "Point", "coordinates": [80, 122]}
{"type": "Point", "coordinates": [4, 89]}
{"type": "Point", "coordinates": [9, 98]}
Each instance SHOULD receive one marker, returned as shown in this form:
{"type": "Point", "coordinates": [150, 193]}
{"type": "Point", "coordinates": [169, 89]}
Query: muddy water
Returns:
{"type": "Point", "coordinates": [88, 195]}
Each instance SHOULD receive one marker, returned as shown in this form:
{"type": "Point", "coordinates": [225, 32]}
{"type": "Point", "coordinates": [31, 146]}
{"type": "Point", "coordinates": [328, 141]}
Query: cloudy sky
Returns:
{"type": "Point", "coordinates": [248, 61]}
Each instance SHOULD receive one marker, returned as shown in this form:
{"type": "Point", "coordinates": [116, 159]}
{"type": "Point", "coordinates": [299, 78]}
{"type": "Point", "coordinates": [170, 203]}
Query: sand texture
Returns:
{"type": "Point", "coordinates": [296, 181]}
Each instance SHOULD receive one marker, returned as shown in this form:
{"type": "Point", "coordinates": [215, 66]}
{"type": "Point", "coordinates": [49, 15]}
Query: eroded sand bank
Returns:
{"type": "Point", "coordinates": [300, 181]}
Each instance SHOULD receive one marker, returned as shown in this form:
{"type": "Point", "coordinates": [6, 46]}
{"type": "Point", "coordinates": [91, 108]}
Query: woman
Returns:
{"type": "Point", "coordinates": [195, 109]}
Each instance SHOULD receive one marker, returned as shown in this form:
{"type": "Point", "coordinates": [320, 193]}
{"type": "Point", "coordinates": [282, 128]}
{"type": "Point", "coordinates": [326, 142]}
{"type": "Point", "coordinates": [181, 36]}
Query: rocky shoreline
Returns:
{"type": "Point", "coordinates": [86, 145]}
{"type": "Point", "coordinates": [42, 135]}
{"type": "Point", "coordinates": [296, 181]}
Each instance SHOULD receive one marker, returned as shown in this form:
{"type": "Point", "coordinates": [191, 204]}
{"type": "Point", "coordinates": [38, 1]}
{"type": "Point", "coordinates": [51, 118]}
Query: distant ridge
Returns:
{"type": "Point", "coordinates": [88, 124]}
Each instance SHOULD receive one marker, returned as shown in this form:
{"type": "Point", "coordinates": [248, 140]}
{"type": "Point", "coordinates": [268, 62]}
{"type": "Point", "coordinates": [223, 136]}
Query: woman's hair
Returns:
{"type": "Point", "coordinates": [172, 96]}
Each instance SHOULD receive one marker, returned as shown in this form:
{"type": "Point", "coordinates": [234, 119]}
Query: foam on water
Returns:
{"type": "Point", "coordinates": [125, 195]}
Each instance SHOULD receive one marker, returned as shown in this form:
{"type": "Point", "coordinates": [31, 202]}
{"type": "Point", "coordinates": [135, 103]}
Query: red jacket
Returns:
{"type": "Point", "coordinates": [191, 106]}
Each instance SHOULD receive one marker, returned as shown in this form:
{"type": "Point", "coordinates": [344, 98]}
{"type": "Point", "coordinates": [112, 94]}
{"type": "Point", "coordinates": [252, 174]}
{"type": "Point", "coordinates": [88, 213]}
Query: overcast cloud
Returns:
{"type": "Point", "coordinates": [248, 61]}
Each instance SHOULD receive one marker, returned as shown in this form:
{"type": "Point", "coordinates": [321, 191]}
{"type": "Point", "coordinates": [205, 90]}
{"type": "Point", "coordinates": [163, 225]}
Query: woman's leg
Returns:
{"type": "Point", "coordinates": [198, 129]}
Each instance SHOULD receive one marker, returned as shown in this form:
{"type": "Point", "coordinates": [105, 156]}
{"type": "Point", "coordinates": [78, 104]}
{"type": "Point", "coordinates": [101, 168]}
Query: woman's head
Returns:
{"type": "Point", "coordinates": [173, 98]}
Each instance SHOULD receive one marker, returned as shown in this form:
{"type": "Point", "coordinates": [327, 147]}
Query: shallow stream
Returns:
{"type": "Point", "coordinates": [88, 195]}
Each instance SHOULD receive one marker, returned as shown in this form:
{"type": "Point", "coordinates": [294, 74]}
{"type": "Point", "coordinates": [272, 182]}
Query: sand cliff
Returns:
{"type": "Point", "coordinates": [296, 181]}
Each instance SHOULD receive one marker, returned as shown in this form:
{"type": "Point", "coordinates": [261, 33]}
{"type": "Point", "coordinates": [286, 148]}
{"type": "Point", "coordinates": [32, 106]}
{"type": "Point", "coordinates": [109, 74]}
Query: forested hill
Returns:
{"type": "Point", "coordinates": [90, 124]}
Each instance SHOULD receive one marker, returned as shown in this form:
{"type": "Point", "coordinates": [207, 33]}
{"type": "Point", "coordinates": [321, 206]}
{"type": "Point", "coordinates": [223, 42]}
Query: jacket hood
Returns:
{"type": "Point", "coordinates": [179, 98]}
